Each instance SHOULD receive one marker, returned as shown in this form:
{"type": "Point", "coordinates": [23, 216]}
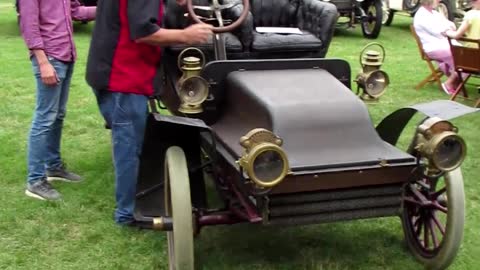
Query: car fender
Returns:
{"type": "Point", "coordinates": [391, 127]}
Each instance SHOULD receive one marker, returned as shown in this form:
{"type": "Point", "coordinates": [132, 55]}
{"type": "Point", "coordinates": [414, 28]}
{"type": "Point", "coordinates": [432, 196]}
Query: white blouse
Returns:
{"type": "Point", "coordinates": [429, 27]}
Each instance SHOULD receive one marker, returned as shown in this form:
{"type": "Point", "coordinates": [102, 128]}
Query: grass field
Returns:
{"type": "Point", "coordinates": [80, 234]}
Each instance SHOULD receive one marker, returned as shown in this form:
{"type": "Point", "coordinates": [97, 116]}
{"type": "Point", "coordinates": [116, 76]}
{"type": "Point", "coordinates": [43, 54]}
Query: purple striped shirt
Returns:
{"type": "Point", "coordinates": [47, 25]}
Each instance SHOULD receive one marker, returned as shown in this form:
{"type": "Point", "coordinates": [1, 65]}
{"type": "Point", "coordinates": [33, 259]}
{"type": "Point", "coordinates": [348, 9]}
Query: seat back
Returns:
{"type": "Point", "coordinates": [466, 59]}
{"type": "Point", "coordinates": [419, 44]}
{"type": "Point", "coordinates": [279, 13]}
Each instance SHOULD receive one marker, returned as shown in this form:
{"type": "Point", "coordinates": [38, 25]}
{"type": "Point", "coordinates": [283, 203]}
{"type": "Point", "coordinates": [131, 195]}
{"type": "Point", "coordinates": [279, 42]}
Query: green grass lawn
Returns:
{"type": "Point", "coordinates": [80, 234]}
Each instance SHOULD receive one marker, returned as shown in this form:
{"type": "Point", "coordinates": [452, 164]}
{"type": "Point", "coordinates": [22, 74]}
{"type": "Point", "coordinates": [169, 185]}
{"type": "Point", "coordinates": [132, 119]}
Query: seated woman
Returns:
{"type": "Point", "coordinates": [429, 25]}
{"type": "Point", "coordinates": [470, 26]}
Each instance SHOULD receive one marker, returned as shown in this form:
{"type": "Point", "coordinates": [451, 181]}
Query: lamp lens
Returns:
{"type": "Point", "coordinates": [376, 83]}
{"type": "Point", "coordinates": [268, 166]}
{"type": "Point", "coordinates": [449, 153]}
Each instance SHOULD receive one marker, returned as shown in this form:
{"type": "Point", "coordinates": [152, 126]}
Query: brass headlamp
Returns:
{"type": "Point", "coordinates": [264, 160]}
{"type": "Point", "coordinates": [439, 143]}
{"type": "Point", "coordinates": [372, 80]}
{"type": "Point", "coordinates": [192, 89]}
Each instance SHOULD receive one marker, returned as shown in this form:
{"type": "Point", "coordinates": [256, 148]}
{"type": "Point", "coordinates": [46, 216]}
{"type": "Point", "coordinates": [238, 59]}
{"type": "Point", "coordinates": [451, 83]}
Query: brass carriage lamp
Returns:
{"type": "Point", "coordinates": [264, 159]}
{"type": "Point", "coordinates": [372, 80]}
{"type": "Point", "coordinates": [192, 89]}
{"type": "Point", "coordinates": [440, 145]}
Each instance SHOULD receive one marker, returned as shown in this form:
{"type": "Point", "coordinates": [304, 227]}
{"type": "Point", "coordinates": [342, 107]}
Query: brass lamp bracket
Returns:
{"type": "Point", "coordinates": [258, 136]}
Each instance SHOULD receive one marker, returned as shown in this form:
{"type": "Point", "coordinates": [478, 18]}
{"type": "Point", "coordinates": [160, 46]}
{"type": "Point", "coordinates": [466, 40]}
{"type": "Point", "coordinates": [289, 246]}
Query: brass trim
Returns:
{"type": "Point", "coordinates": [431, 149]}
{"type": "Point", "coordinates": [428, 148]}
{"type": "Point", "coordinates": [188, 106]}
{"type": "Point", "coordinates": [191, 49]}
{"type": "Point", "coordinates": [256, 142]}
{"type": "Point", "coordinates": [158, 223]}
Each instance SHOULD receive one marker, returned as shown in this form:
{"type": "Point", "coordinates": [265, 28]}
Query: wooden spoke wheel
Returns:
{"type": "Point", "coordinates": [178, 206]}
{"type": "Point", "coordinates": [433, 218]}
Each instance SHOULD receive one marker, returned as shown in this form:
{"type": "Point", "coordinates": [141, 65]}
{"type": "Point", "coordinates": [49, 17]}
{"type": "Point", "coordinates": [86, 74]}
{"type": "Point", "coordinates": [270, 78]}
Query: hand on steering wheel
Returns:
{"type": "Point", "coordinates": [217, 8]}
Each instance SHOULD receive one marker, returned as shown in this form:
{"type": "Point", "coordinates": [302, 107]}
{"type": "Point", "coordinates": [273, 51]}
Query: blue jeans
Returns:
{"type": "Point", "coordinates": [127, 115]}
{"type": "Point", "coordinates": [46, 130]}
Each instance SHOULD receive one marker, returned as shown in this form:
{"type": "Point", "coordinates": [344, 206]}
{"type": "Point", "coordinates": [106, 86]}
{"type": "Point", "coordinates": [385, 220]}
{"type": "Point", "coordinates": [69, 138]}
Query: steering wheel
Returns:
{"type": "Point", "coordinates": [217, 8]}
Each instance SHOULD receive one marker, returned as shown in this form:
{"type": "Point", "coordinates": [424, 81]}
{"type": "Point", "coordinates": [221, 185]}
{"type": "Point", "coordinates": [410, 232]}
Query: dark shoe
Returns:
{"type": "Point", "coordinates": [42, 190]}
{"type": "Point", "coordinates": [61, 174]}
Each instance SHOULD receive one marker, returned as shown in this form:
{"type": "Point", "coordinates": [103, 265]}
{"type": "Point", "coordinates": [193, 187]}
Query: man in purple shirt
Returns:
{"type": "Point", "coordinates": [47, 30]}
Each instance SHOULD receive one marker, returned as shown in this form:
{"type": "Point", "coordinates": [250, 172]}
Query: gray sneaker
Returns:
{"type": "Point", "coordinates": [42, 190]}
{"type": "Point", "coordinates": [61, 174]}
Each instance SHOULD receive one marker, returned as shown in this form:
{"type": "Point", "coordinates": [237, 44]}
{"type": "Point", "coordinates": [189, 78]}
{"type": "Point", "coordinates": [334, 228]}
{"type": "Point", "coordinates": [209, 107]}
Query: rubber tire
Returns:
{"type": "Point", "coordinates": [453, 229]}
{"type": "Point", "coordinates": [178, 206]}
{"type": "Point", "coordinates": [389, 19]}
{"type": "Point", "coordinates": [378, 24]}
{"type": "Point", "coordinates": [448, 6]}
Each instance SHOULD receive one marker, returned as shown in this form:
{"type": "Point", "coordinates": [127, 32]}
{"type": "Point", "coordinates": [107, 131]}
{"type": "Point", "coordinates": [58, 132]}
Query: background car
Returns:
{"type": "Point", "coordinates": [409, 7]}
{"type": "Point", "coordinates": [368, 13]}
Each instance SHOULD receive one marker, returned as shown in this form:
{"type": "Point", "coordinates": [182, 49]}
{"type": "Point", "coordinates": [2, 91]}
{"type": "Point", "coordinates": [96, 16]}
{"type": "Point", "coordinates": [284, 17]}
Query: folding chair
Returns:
{"type": "Point", "coordinates": [435, 73]}
{"type": "Point", "coordinates": [467, 62]}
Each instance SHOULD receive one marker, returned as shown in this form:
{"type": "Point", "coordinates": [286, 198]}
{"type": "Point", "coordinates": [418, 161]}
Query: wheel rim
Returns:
{"type": "Point", "coordinates": [371, 19]}
{"type": "Point", "coordinates": [442, 9]}
{"type": "Point", "coordinates": [427, 222]}
{"type": "Point", "coordinates": [178, 207]}
{"type": "Point", "coordinates": [433, 218]}
{"type": "Point", "coordinates": [410, 4]}
{"type": "Point", "coordinates": [386, 12]}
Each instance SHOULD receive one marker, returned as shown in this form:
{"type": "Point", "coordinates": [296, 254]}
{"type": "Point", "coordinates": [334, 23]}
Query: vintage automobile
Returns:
{"type": "Point", "coordinates": [286, 142]}
{"type": "Point", "coordinates": [369, 13]}
{"type": "Point", "coordinates": [409, 7]}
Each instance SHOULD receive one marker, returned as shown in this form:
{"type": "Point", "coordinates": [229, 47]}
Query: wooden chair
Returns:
{"type": "Point", "coordinates": [467, 63]}
{"type": "Point", "coordinates": [435, 73]}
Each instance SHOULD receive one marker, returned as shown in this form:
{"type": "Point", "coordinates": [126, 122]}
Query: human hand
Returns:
{"type": "Point", "coordinates": [48, 74]}
{"type": "Point", "coordinates": [197, 33]}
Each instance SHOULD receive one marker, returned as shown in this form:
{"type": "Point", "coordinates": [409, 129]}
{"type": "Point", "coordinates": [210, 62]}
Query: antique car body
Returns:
{"type": "Point", "coordinates": [286, 142]}
{"type": "Point", "coordinates": [369, 13]}
{"type": "Point", "coordinates": [409, 7]}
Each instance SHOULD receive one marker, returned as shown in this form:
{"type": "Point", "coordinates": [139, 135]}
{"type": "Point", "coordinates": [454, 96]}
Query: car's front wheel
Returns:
{"type": "Point", "coordinates": [433, 218]}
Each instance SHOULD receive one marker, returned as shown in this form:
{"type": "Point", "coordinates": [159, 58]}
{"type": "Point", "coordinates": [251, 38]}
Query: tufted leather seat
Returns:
{"type": "Point", "coordinates": [315, 18]}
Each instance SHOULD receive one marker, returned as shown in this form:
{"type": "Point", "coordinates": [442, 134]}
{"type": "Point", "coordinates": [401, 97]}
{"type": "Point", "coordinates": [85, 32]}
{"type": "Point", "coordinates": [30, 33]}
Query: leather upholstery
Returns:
{"type": "Point", "coordinates": [274, 12]}
{"type": "Point", "coordinates": [315, 18]}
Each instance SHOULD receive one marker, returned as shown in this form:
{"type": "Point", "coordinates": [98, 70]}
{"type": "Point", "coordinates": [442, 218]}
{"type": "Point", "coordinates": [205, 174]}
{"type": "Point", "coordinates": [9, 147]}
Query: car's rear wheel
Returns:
{"type": "Point", "coordinates": [445, 8]}
{"type": "Point", "coordinates": [387, 18]}
{"type": "Point", "coordinates": [372, 24]}
{"type": "Point", "coordinates": [179, 207]}
{"type": "Point", "coordinates": [433, 218]}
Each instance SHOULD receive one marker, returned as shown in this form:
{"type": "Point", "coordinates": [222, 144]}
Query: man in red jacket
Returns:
{"type": "Point", "coordinates": [122, 65]}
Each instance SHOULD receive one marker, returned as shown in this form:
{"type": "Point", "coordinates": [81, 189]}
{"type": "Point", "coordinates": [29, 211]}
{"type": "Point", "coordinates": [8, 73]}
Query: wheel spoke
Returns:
{"type": "Point", "coordinates": [432, 232]}
{"type": "Point", "coordinates": [412, 200]}
{"type": "Point", "coordinates": [418, 195]}
{"type": "Point", "coordinates": [438, 223]}
{"type": "Point", "coordinates": [425, 233]}
{"type": "Point", "coordinates": [438, 193]}
{"type": "Point", "coordinates": [437, 206]}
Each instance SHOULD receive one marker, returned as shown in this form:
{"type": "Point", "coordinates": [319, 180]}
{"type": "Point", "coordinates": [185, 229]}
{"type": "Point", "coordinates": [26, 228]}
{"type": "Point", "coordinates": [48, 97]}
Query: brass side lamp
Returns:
{"type": "Point", "coordinates": [372, 80]}
{"type": "Point", "coordinates": [192, 89]}
{"type": "Point", "coordinates": [440, 145]}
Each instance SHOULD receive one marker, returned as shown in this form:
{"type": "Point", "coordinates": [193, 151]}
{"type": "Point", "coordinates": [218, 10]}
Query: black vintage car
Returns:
{"type": "Point", "coordinates": [285, 141]}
